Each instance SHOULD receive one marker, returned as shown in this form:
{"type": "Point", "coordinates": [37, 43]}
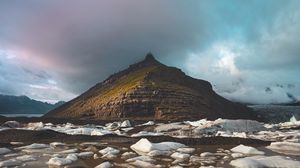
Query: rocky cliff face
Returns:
{"type": "Point", "coordinates": [151, 90]}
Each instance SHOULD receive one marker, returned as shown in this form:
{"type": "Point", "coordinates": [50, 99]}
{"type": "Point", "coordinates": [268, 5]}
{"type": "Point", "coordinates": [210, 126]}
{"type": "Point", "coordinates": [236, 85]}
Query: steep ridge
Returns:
{"type": "Point", "coordinates": [151, 90]}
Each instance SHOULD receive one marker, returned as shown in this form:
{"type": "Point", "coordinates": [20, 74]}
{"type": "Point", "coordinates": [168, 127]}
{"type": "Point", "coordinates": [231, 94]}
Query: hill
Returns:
{"type": "Point", "coordinates": [151, 90]}
{"type": "Point", "coordinates": [24, 105]}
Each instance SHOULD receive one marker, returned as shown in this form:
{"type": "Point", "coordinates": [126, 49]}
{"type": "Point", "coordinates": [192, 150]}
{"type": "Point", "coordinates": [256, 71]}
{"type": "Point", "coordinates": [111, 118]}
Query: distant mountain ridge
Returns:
{"type": "Point", "coordinates": [24, 105]}
{"type": "Point", "coordinates": [151, 90]}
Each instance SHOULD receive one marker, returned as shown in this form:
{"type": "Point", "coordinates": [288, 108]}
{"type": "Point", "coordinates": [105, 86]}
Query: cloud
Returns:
{"type": "Point", "coordinates": [77, 44]}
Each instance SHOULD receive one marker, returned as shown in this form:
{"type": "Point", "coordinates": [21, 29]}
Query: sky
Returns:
{"type": "Point", "coordinates": [55, 50]}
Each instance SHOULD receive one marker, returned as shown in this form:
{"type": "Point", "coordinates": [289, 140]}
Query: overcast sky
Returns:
{"type": "Point", "coordinates": [55, 50]}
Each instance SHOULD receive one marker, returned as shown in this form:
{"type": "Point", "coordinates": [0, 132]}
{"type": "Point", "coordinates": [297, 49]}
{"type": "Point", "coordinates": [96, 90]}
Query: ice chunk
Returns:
{"type": "Point", "coordinates": [265, 161]}
{"type": "Point", "coordinates": [73, 157]}
{"type": "Point", "coordinates": [105, 165]}
{"type": "Point", "coordinates": [10, 163]}
{"type": "Point", "coordinates": [85, 154]}
{"type": "Point", "coordinates": [144, 146]}
{"type": "Point", "coordinates": [109, 150]}
{"type": "Point", "coordinates": [143, 164]}
{"type": "Point", "coordinates": [180, 156]}
{"type": "Point", "coordinates": [126, 123]}
{"type": "Point", "coordinates": [186, 150]}
{"type": "Point", "coordinates": [155, 153]}
{"type": "Point", "coordinates": [197, 123]}
{"type": "Point", "coordinates": [68, 151]}
{"type": "Point", "coordinates": [149, 123]}
{"type": "Point", "coordinates": [285, 147]}
{"type": "Point", "coordinates": [34, 146]}
{"type": "Point", "coordinates": [35, 125]}
{"type": "Point", "coordinates": [237, 155]}
{"type": "Point", "coordinates": [206, 154]}
{"type": "Point", "coordinates": [128, 155]}
{"type": "Point", "coordinates": [57, 144]}
{"type": "Point", "coordinates": [27, 158]}
{"type": "Point", "coordinates": [141, 158]}
{"type": "Point", "coordinates": [86, 131]}
{"type": "Point", "coordinates": [59, 161]}
{"type": "Point", "coordinates": [4, 151]}
{"type": "Point", "coordinates": [145, 133]}
{"type": "Point", "coordinates": [248, 150]}
{"type": "Point", "coordinates": [169, 127]}
{"type": "Point", "coordinates": [11, 124]}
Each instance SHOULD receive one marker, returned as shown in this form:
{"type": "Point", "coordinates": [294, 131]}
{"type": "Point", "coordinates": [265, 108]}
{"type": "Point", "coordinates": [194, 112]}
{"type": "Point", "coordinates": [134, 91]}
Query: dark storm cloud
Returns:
{"type": "Point", "coordinates": [79, 43]}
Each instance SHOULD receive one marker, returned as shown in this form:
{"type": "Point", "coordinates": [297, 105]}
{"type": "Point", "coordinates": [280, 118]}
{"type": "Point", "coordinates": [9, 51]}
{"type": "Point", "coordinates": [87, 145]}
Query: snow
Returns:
{"type": "Point", "coordinates": [59, 161]}
{"type": "Point", "coordinates": [265, 161]}
{"type": "Point", "coordinates": [10, 163]}
{"type": "Point", "coordinates": [180, 156]}
{"type": "Point", "coordinates": [4, 151]}
{"type": "Point", "coordinates": [105, 165]}
{"type": "Point", "coordinates": [145, 133]}
{"type": "Point", "coordinates": [248, 150]}
{"type": "Point", "coordinates": [34, 146]}
{"type": "Point", "coordinates": [285, 147]}
{"type": "Point", "coordinates": [109, 150]}
{"type": "Point", "coordinates": [143, 146]}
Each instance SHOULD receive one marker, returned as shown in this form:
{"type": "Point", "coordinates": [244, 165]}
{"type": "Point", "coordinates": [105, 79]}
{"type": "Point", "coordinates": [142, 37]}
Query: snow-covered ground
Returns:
{"type": "Point", "coordinates": [284, 151]}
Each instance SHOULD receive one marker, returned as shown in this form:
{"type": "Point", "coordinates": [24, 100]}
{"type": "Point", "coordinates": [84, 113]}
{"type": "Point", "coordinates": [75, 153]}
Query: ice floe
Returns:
{"type": "Point", "coordinates": [143, 146]}
{"type": "Point", "coordinates": [59, 161]}
{"type": "Point", "coordinates": [145, 133]}
{"type": "Point", "coordinates": [105, 165]}
{"type": "Point", "coordinates": [10, 163]}
{"type": "Point", "coordinates": [85, 154]}
{"type": "Point", "coordinates": [247, 150]}
{"type": "Point", "coordinates": [26, 158]}
{"type": "Point", "coordinates": [180, 156]}
{"type": "Point", "coordinates": [265, 161]}
{"type": "Point", "coordinates": [109, 150]}
{"type": "Point", "coordinates": [11, 124]}
{"type": "Point", "coordinates": [4, 151]}
{"type": "Point", "coordinates": [34, 146]}
{"type": "Point", "coordinates": [285, 147]}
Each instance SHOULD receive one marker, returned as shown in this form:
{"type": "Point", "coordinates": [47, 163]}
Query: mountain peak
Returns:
{"type": "Point", "coordinates": [150, 57]}
{"type": "Point", "coordinates": [149, 60]}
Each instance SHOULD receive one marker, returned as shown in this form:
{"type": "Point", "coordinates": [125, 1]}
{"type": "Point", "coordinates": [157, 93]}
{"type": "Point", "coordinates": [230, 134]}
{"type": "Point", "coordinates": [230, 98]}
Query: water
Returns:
{"type": "Point", "coordinates": [22, 115]}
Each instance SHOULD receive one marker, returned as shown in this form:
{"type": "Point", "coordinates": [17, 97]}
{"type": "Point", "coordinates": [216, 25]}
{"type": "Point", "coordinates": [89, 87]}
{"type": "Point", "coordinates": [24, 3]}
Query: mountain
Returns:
{"type": "Point", "coordinates": [24, 105]}
{"type": "Point", "coordinates": [151, 90]}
